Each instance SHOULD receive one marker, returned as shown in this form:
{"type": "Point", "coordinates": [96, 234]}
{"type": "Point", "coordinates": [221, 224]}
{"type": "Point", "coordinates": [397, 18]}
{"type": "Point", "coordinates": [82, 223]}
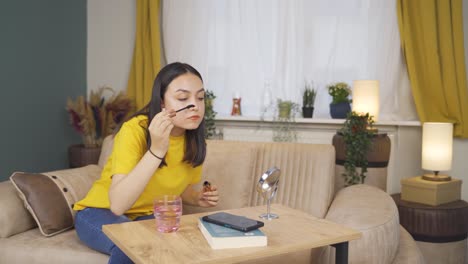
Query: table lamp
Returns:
{"type": "Point", "coordinates": [434, 189]}
{"type": "Point", "coordinates": [366, 97]}
{"type": "Point", "coordinates": [437, 144]}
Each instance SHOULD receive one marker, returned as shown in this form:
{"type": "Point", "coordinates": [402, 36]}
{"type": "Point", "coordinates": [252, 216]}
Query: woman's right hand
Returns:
{"type": "Point", "coordinates": [160, 128]}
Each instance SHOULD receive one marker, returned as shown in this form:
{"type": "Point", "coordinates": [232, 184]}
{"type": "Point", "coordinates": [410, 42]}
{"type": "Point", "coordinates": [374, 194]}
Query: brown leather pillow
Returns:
{"type": "Point", "coordinates": [50, 196]}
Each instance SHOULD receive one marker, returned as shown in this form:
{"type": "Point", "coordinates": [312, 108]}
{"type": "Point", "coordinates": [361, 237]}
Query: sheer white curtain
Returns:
{"type": "Point", "coordinates": [241, 45]}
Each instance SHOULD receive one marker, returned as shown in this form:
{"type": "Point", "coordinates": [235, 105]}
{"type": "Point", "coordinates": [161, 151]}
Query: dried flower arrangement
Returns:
{"type": "Point", "coordinates": [97, 118]}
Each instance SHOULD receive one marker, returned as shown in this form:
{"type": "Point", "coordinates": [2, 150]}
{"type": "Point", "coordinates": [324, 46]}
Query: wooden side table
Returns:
{"type": "Point", "coordinates": [440, 231]}
{"type": "Point", "coordinates": [293, 231]}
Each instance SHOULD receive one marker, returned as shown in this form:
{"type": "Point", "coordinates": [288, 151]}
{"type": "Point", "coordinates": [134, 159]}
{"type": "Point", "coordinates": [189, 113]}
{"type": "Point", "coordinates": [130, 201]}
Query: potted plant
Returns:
{"type": "Point", "coordinates": [308, 100]}
{"type": "Point", "coordinates": [356, 135]}
{"type": "Point", "coordinates": [284, 130]}
{"type": "Point", "coordinates": [358, 146]}
{"type": "Point", "coordinates": [210, 114]}
{"type": "Point", "coordinates": [286, 109]}
{"type": "Point", "coordinates": [94, 119]}
{"type": "Point", "coordinates": [340, 105]}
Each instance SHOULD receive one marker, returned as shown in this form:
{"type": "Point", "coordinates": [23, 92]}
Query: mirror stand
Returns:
{"type": "Point", "coordinates": [267, 187]}
{"type": "Point", "coordinates": [268, 215]}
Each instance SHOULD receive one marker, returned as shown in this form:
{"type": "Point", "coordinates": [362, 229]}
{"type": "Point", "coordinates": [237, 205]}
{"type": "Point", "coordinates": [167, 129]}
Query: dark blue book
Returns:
{"type": "Point", "coordinates": [220, 237]}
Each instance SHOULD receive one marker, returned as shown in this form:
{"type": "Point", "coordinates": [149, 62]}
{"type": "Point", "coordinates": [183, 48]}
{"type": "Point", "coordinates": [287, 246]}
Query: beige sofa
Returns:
{"type": "Point", "coordinates": [307, 183]}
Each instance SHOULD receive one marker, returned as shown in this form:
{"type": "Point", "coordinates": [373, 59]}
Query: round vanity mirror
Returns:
{"type": "Point", "coordinates": [267, 186]}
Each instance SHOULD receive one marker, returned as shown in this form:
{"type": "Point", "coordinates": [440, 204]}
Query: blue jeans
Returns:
{"type": "Point", "coordinates": [88, 225]}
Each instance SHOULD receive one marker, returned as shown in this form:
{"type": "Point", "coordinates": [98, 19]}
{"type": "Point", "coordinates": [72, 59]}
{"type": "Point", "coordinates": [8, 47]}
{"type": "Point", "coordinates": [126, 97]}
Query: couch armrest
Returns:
{"type": "Point", "coordinates": [374, 213]}
{"type": "Point", "coordinates": [408, 250]}
{"type": "Point", "coordinates": [14, 218]}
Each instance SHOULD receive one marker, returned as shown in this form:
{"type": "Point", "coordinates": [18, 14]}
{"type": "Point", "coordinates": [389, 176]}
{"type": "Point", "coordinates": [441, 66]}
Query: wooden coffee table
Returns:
{"type": "Point", "coordinates": [293, 231]}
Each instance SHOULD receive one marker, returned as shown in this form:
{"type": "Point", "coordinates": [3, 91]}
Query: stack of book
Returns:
{"type": "Point", "coordinates": [220, 237]}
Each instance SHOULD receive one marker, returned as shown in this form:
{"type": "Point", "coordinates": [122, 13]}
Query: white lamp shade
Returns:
{"type": "Point", "coordinates": [366, 97]}
{"type": "Point", "coordinates": [437, 144]}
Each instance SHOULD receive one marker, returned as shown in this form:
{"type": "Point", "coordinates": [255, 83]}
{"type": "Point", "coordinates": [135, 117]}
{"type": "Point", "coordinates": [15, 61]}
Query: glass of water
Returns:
{"type": "Point", "coordinates": [167, 212]}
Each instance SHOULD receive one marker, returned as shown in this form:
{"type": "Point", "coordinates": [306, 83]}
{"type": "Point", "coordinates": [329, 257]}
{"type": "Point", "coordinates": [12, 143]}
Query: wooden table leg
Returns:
{"type": "Point", "coordinates": [341, 255]}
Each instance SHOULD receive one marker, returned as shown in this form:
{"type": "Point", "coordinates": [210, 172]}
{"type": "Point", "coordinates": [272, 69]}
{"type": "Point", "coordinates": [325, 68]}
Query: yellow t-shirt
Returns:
{"type": "Point", "coordinates": [129, 148]}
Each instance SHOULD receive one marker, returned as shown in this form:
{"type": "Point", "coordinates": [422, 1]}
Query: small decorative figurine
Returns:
{"type": "Point", "coordinates": [236, 106]}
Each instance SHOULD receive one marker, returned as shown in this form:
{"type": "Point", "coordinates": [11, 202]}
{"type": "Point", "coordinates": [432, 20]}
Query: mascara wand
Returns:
{"type": "Point", "coordinates": [187, 107]}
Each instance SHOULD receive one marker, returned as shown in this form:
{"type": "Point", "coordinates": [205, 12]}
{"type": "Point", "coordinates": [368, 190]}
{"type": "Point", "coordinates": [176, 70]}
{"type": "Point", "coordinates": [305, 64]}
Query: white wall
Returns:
{"type": "Point", "coordinates": [111, 31]}
{"type": "Point", "coordinates": [460, 146]}
{"type": "Point", "coordinates": [460, 164]}
{"type": "Point", "coordinates": [111, 34]}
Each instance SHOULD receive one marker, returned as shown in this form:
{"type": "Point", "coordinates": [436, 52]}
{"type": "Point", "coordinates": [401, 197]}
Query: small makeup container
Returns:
{"type": "Point", "coordinates": [206, 186]}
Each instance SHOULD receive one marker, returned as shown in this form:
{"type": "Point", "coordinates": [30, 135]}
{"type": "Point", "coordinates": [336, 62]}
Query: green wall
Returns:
{"type": "Point", "coordinates": [42, 62]}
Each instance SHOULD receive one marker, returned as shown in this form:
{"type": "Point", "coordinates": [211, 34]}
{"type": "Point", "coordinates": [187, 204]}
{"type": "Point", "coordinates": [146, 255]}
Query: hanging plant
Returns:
{"type": "Point", "coordinates": [357, 134]}
{"type": "Point", "coordinates": [284, 121]}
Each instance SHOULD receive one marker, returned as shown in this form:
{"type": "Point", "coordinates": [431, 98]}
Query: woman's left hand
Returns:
{"type": "Point", "coordinates": [210, 198]}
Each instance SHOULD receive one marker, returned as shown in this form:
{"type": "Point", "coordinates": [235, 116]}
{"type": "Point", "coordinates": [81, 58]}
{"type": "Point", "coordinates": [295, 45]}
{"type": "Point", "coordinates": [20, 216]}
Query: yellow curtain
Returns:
{"type": "Point", "coordinates": [431, 34]}
{"type": "Point", "coordinates": [146, 54]}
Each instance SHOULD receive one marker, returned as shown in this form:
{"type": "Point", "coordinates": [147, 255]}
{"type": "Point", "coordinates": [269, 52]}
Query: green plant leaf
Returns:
{"type": "Point", "coordinates": [357, 134]}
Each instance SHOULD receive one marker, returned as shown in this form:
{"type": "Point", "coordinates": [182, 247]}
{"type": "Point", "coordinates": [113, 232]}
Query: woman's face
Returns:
{"type": "Point", "coordinates": [182, 91]}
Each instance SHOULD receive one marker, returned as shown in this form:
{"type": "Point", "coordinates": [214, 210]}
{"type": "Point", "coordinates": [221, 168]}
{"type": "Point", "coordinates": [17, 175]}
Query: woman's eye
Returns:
{"type": "Point", "coordinates": [182, 99]}
{"type": "Point", "coordinates": [201, 98]}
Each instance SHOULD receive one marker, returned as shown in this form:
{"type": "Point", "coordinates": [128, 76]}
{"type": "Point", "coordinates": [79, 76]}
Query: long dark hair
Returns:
{"type": "Point", "coordinates": [195, 145]}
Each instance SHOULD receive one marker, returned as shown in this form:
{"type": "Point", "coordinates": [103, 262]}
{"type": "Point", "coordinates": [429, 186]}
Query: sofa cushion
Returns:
{"type": "Point", "coordinates": [50, 196]}
{"type": "Point", "coordinates": [14, 218]}
{"type": "Point", "coordinates": [32, 247]}
{"type": "Point", "coordinates": [307, 175]}
{"type": "Point", "coordinates": [229, 166]}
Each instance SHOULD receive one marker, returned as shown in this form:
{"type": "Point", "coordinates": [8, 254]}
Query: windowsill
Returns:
{"type": "Point", "coordinates": [301, 120]}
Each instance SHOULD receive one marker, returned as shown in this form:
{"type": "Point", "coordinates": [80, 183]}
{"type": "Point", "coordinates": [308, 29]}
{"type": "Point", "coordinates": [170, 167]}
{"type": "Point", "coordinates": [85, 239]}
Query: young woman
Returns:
{"type": "Point", "coordinates": [157, 151]}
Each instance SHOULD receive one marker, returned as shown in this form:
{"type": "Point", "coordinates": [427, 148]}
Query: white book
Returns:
{"type": "Point", "coordinates": [220, 237]}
